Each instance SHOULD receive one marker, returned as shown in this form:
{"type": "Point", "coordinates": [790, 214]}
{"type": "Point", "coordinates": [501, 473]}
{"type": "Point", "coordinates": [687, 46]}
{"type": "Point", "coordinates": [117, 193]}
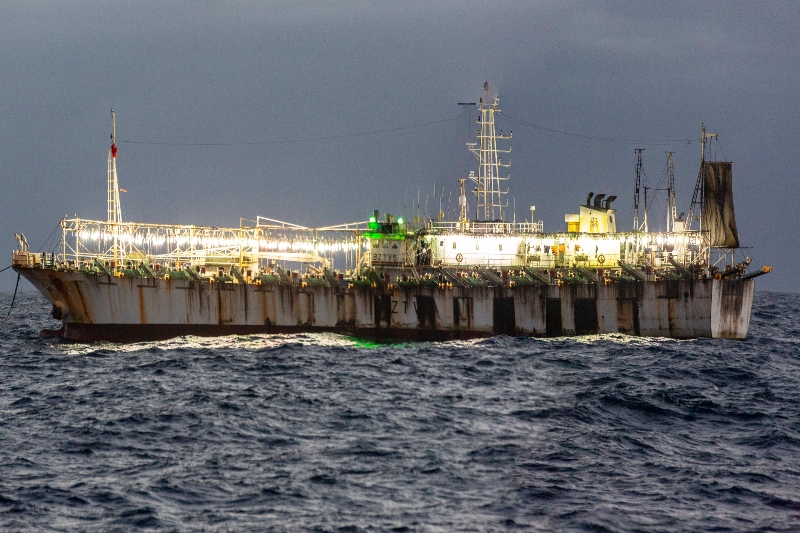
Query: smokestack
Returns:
{"type": "Point", "coordinates": [598, 199]}
{"type": "Point", "coordinates": [609, 200]}
{"type": "Point", "coordinates": [589, 198]}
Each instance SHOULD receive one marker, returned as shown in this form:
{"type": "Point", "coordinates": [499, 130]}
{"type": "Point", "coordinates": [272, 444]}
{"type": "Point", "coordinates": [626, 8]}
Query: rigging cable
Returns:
{"type": "Point", "coordinates": [521, 122]}
{"type": "Point", "coordinates": [14, 299]}
{"type": "Point", "coordinates": [50, 238]}
{"type": "Point", "coordinates": [308, 139]}
{"type": "Point", "coordinates": [593, 137]}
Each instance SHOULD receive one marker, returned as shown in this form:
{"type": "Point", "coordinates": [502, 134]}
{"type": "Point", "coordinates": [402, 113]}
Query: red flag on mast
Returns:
{"type": "Point", "coordinates": [114, 150]}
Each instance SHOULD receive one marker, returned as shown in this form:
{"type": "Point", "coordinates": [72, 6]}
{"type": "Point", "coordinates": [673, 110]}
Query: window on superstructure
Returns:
{"type": "Point", "coordinates": [454, 245]}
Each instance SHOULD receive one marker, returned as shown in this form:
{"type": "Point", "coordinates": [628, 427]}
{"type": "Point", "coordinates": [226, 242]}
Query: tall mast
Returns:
{"type": "Point", "coordinates": [696, 207]}
{"type": "Point", "coordinates": [114, 208]}
{"type": "Point", "coordinates": [489, 183]}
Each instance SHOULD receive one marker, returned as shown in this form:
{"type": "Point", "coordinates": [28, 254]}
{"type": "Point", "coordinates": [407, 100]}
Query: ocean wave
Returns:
{"type": "Point", "coordinates": [328, 432]}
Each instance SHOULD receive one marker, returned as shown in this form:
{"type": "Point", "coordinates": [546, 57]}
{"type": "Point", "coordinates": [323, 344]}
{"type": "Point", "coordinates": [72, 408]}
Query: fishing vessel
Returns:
{"type": "Point", "coordinates": [388, 278]}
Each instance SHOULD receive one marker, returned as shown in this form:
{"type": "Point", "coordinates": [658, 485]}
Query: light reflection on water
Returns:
{"type": "Point", "coordinates": [236, 342]}
{"type": "Point", "coordinates": [327, 340]}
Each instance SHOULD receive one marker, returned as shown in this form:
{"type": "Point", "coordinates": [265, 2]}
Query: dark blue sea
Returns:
{"type": "Point", "coordinates": [327, 433]}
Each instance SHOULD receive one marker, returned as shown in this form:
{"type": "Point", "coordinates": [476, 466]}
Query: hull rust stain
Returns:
{"type": "Point", "coordinates": [137, 309]}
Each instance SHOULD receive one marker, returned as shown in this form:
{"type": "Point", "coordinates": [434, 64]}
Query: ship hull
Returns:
{"type": "Point", "coordinates": [94, 307]}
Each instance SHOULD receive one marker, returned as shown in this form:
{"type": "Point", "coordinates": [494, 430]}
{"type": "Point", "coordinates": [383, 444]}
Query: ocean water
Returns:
{"type": "Point", "coordinates": [326, 433]}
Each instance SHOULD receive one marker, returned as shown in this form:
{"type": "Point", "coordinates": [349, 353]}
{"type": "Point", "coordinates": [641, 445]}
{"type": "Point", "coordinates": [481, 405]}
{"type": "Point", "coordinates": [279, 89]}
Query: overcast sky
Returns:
{"type": "Point", "coordinates": [317, 113]}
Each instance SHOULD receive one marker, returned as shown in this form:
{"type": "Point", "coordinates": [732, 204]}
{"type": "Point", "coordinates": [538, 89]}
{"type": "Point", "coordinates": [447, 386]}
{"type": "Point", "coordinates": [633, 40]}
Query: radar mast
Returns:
{"type": "Point", "coordinates": [489, 187]}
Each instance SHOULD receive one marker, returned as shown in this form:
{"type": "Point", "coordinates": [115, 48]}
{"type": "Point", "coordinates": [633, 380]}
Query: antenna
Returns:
{"type": "Point", "coordinates": [637, 189]}
{"type": "Point", "coordinates": [644, 223]}
{"type": "Point", "coordinates": [672, 209]}
{"type": "Point", "coordinates": [462, 202]}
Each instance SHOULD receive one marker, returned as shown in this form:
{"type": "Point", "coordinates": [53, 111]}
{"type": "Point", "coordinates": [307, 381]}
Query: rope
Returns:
{"type": "Point", "coordinates": [661, 142]}
{"type": "Point", "coordinates": [6, 268]}
{"type": "Point", "coordinates": [307, 139]}
{"type": "Point", "coordinates": [49, 238]}
{"type": "Point", "coordinates": [14, 299]}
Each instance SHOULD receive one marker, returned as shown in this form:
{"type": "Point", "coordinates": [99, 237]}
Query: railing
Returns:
{"type": "Point", "coordinates": [450, 246]}
{"type": "Point", "coordinates": [83, 241]}
{"type": "Point", "coordinates": [87, 240]}
{"type": "Point", "coordinates": [486, 227]}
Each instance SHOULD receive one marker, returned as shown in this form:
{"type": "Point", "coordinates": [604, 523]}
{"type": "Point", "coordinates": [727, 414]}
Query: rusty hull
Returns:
{"type": "Point", "coordinates": [96, 307]}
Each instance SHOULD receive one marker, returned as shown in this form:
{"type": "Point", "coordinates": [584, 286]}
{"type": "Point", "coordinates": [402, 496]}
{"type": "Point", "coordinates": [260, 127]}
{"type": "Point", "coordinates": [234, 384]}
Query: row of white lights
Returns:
{"type": "Point", "coordinates": [646, 239]}
{"type": "Point", "coordinates": [224, 242]}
